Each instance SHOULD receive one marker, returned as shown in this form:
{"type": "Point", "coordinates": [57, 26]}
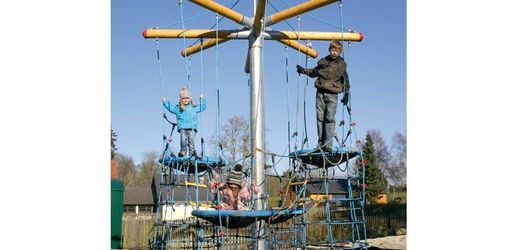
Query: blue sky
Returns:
{"type": "Point", "coordinates": [376, 67]}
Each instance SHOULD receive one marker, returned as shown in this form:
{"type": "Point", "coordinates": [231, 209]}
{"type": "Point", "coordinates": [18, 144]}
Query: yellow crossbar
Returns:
{"type": "Point", "coordinates": [297, 10]}
{"type": "Point", "coordinates": [205, 45]}
{"type": "Point", "coordinates": [297, 183]}
{"type": "Point", "coordinates": [195, 184]}
{"type": "Point", "coordinates": [201, 204]}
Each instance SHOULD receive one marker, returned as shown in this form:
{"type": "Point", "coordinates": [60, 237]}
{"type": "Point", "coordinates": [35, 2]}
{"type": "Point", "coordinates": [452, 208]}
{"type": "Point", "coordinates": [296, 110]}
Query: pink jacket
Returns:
{"type": "Point", "coordinates": [228, 201]}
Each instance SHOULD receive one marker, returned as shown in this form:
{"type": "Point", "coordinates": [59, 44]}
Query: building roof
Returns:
{"type": "Point", "coordinates": [179, 192]}
{"type": "Point", "coordinates": [138, 195]}
{"type": "Point", "coordinates": [335, 186]}
{"type": "Point", "coordinates": [148, 195]}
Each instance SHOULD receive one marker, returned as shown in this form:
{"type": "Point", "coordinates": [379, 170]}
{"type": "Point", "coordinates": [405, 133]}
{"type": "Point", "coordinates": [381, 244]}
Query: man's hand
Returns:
{"type": "Point", "coordinates": [163, 99]}
{"type": "Point", "coordinates": [345, 99]}
{"type": "Point", "coordinates": [300, 69]}
{"type": "Point", "coordinates": [201, 96]}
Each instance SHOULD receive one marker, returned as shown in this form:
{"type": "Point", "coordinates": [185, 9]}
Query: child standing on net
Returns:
{"type": "Point", "coordinates": [332, 78]}
{"type": "Point", "coordinates": [186, 113]}
{"type": "Point", "coordinates": [235, 194]}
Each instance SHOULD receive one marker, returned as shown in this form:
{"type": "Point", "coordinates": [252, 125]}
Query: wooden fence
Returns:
{"type": "Point", "coordinates": [138, 233]}
{"type": "Point", "coordinates": [137, 230]}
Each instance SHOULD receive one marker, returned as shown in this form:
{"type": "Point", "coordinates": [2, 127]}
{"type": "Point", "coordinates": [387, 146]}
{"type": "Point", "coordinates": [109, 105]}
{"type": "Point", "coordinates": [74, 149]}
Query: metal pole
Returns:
{"type": "Point", "coordinates": [257, 131]}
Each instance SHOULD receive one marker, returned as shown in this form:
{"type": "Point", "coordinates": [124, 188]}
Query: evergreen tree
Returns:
{"type": "Point", "coordinates": [374, 179]}
{"type": "Point", "coordinates": [113, 139]}
{"type": "Point", "coordinates": [382, 154]}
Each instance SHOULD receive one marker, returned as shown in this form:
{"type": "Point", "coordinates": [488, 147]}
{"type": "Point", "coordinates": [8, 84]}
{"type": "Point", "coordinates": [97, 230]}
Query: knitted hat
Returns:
{"type": "Point", "coordinates": [184, 92]}
{"type": "Point", "coordinates": [235, 177]}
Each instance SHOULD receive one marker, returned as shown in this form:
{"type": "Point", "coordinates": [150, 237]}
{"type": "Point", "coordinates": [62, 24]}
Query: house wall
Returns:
{"type": "Point", "coordinates": [130, 208]}
{"type": "Point", "coordinates": [179, 212]}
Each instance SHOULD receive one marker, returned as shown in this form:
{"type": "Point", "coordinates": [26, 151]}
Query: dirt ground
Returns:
{"type": "Point", "coordinates": [389, 242]}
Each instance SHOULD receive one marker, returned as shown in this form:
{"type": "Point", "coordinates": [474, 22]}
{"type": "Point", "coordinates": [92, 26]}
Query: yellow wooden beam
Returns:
{"type": "Point", "coordinates": [299, 47]}
{"type": "Point", "coordinates": [297, 183]}
{"type": "Point", "coordinates": [243, 34]}
{"type": "Point", "coordinates": [297, 10]}
{"type": "Point", "coordinates": [201, 204]}
{"type": "Point", "coordinates": [195, 184]}
{"type": "Point", "coordinates": [311, 35]}
{"type": "Point", "coordinates": [163, 33]}
{"type": "Point", "coordinates": [259, 14]}
{"type": "Point", "coordinates": [205, 45]}
{"type": "Point", "coordinates": [224, 11]}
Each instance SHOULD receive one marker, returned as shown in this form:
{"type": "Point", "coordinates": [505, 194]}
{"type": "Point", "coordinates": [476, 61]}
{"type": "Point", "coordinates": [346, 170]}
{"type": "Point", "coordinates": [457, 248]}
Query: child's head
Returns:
{"type": "Point", "coordinates": [235, 180]}
{"type": "Point", "coordinates": [184, 98]}
{"type": "Point", "coordinates": [335, 48]}
{"type": "Point", "coordinates": [234, 187]}
{"type": "Point", "coordinates": [184, 95]}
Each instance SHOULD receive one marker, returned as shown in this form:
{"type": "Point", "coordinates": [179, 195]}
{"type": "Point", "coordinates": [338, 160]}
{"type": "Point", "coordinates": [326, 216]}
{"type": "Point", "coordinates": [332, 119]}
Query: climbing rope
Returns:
{"type": "Point", "coordinates": [217, 91]}
{"type": "Point", "coordinates": [161, 88]}
{"type": "Point", "coordinates": [276, 10]}
{"type": "Point", "coordinates": [318, 19]}
{"type": "Point", "coordinates": [202, 144]}
{"type": "Point", "coordinates": [184, 45]}
{"type": "Point", "coordinates": [305, 133]}
{"type": "Point", "coordinates": [214, 25]}
{"type": "Point", "coordinates": [288, 108]}
{"type": "Point", "coordinates": [191, 18]}
{"type": "Point", "coordinates": [295, 134]}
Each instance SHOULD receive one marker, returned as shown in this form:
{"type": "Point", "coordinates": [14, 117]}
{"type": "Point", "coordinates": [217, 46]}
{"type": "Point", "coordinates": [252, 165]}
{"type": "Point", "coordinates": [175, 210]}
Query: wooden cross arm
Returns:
{"type": "Point", "coordinates": [300, 47]}
{"type": "Point", "coordinates": [164, 33]}
{"type": "Point", "coordinates": [244, 34]}
{"type": "Point", "coordinates": [224, 11]}
{"type": "Point", "coordinates": [296, 10]}
{"type": "Point", "coordinates": [202, 46]}
{"type": "Point", "coordinates": [320, 36]}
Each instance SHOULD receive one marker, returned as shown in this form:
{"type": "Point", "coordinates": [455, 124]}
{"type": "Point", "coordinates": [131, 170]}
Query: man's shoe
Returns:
{"type": "Point", "coordinates": [181, 154]}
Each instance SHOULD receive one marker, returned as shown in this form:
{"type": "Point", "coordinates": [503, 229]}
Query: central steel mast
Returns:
{"type": "Point", "coordinates": [258, 146]}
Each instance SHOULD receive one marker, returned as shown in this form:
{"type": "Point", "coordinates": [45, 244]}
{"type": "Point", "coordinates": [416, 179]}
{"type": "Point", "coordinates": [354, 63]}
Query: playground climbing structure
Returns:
{"type": "Point", "coordinates": [312, 170]}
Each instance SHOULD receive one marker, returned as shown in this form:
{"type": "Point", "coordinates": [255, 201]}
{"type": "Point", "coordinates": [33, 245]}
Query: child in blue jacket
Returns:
{"type": "Point", "coordinates": [186, 113]}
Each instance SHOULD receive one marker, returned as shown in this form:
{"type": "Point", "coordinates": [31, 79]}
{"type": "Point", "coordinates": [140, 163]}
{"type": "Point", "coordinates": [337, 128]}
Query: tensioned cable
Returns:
{"type": "Point", "coordinates": [217, 92]}
{"type": "Point", "coordinates": [161, 86]}
{"type": "Point", "coordinates": [288, 108]}
{"type": "Point", "coordinates": [296, 128]}
{"type": "Point", "coordinates": [189, 19]}
{"type": "Point", "coordinates": [214, 25]}
{"type": "Point", "coordinates": [317, 19]}
{"type": "Point", "coordinates": [287, 22]}
{"type": "Point", "coordinates": [163, 127]}
{"type": "Point", "coordinates": [202, 144]}
{"type": "Point", "coordinates": [342, 124]}
{"type": "Point", "coordinates": [184, 45]}
{"type": "Point", "coordinates": [305, 133]}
